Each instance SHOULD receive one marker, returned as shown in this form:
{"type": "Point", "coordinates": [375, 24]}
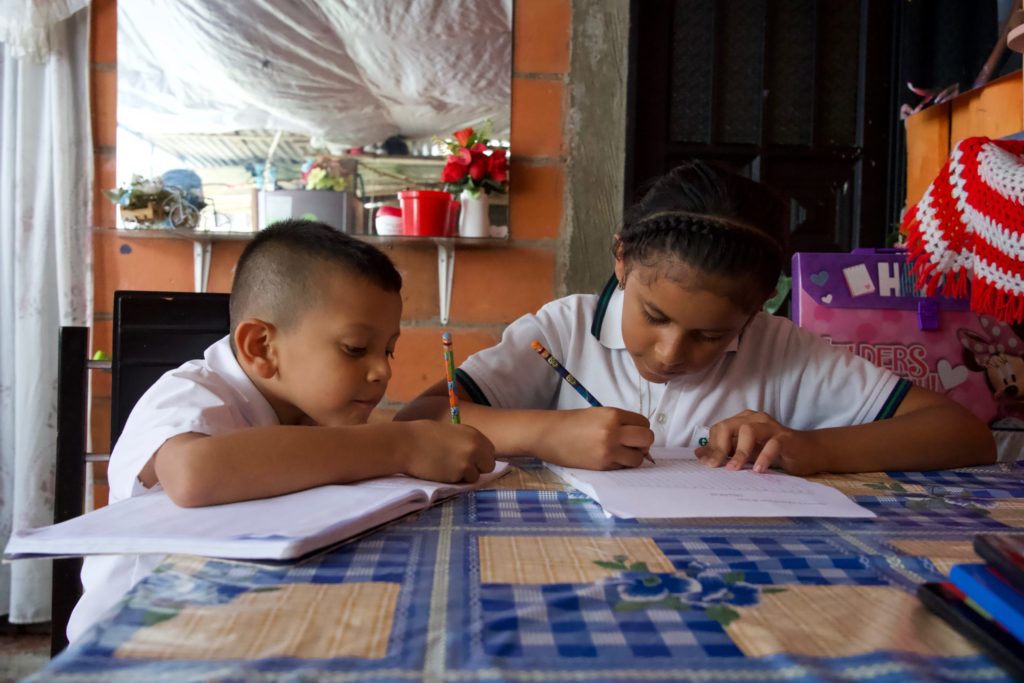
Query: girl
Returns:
{"type": "Point", "coordinates": [678, 351]}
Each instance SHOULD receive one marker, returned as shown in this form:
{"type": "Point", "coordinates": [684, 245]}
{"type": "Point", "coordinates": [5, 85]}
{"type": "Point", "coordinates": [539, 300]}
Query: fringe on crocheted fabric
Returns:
{"type": "Point", "coordinates": [968, 218]}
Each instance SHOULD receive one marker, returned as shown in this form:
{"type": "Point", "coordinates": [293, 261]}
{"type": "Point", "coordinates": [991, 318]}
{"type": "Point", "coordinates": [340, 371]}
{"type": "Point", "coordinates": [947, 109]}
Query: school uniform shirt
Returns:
{"type": "Point", "coordinates": [211, 396]}
{"type": "Point", "coordinates": [773, 366]}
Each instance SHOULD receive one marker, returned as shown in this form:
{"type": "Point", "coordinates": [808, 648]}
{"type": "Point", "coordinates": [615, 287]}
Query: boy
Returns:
{"type": "Point", "coordinates": [281, 404]}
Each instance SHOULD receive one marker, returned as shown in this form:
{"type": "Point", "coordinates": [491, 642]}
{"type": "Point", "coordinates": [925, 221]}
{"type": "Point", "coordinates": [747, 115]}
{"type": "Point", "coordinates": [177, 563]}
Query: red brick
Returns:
{"type": "Point", "coordinates": [103, 33]}
{"type": "Point", "coordinates": [418, 266]}
{"type": "Point", "coordinates": [104, 210]}
{"type": "Point", "coordinates": [99, 424]}
{"type": "Point", "coordinates": [104, 107]}
{"type": "Point", "coordinates": [541, 33]}
{"type": "Point", "coordinates": [418, 361]}
{"type": "Point", "coordinates": [536, 204]}
{"type": "Point", "coordinates": [497, 286]}
{"type": "Point", "coordinates": [536, 118]}
{"type": "Point", "coordinates": [223, 259]}
{"type": "Point", "coordinates": [144, 263]}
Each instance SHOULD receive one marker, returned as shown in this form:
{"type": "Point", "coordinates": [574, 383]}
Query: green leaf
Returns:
{"type": "Point", "coordinates": [675, 603]}
{"type": "Point", "coordinates": [151, 618]}
{"type": "Point", "coordinates": [723, 614]}
{"type": "Point", "coordinates": [639, 567]}
{"type": "Point", "coordinates": [651, 581]}
{"type": "Point", "coordinates": [621, 559]}
{"type": "Point", "coordinates": [770, 591]}
{"type": "Point", "coordinates": [733, 577]}
{"type": "Point", "coordinates": [610, 565]}
{"type": "Point", "coordinates": [265, 589]}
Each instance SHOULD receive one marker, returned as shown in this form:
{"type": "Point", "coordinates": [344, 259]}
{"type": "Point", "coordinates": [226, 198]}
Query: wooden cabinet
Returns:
{"type": "Point", "coordinates": [995, 110]}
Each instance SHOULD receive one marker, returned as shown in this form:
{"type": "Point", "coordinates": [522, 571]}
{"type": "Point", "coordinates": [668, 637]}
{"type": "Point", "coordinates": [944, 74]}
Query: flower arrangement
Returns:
{"type": "Point", "coordinates": [473, 165]}
{"type": "Point", "coordinates": [148, 202]}
{"type": "Point", "coordinates": [325, 173]}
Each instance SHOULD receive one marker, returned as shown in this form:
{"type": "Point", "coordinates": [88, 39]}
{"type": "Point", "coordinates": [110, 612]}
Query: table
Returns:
{"type": "Point", "coordinates": [529, 581]}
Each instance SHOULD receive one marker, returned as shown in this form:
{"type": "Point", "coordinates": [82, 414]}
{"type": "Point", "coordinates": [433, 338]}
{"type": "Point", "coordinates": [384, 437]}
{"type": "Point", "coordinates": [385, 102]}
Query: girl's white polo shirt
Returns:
{"type": "Point", "coordinates": [774, 366]}
{"type": "Point", "coordinates": [210, 396]}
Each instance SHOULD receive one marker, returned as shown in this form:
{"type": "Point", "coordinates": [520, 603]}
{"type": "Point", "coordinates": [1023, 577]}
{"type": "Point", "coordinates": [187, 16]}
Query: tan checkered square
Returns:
{"type": "Point", "coordinates": [306, 621]}
{"type": "Point", "coordinates": [561, 559]}
{"type": "Point", "coordinates": [842, 621]}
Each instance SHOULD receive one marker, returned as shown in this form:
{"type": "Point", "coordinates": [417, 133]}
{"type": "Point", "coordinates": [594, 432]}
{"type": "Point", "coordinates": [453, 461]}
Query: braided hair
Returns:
{"type": "Point", "coordinates": [716, 222]}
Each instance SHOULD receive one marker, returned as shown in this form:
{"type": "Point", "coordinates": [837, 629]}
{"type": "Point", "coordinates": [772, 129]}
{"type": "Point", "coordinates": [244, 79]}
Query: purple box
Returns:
{"type": "Point", "coordinates": [866, 301]}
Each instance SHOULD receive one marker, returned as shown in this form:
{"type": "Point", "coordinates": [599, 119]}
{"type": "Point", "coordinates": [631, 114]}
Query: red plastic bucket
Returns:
{"type": "Point", "coordinates": [425, 212]}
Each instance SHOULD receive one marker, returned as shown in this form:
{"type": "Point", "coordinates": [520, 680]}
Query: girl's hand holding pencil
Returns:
{"type": "Point", "coordinates": [607, 438]}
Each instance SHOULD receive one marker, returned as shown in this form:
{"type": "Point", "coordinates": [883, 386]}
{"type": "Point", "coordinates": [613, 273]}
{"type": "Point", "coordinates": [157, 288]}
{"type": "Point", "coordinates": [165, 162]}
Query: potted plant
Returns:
{"type": "Point", "coordinates": [474, 169]}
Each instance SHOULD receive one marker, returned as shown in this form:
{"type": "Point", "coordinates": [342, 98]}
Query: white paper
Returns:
{"type": "Point", "coordinates": [279, 528]}
{"type": "Point", "coordinates": [679, 486]}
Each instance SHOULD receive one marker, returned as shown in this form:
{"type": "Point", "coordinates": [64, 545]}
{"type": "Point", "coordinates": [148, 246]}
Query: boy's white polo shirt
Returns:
{"type": "Point", "coordinates": [211, 396]}
{"type": "Point", "coordinates": [775, 366]}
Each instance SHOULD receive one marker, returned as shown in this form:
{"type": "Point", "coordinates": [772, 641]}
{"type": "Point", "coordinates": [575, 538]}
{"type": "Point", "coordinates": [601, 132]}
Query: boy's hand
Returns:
{"type": "Point", "coordinates": [447, 453]}
{"type": "Point", "coordinates": [753, 437]}
{"type": "Point", "coordinates": [596, 438]}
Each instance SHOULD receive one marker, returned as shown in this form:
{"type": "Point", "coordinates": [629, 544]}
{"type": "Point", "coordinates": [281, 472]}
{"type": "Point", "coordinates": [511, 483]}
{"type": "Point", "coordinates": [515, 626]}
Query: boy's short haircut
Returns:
{"type": "Point", "coordinates": [278, 276]}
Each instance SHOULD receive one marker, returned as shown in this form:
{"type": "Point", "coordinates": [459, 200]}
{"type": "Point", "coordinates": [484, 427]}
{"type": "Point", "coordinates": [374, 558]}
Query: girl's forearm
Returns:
{"type": "Point", "coordinates": [930, 438]}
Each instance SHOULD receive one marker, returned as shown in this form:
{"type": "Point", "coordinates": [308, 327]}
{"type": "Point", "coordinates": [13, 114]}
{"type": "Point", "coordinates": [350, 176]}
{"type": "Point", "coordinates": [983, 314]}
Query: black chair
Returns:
{"type": "Point", "coordinates": [153, 332]}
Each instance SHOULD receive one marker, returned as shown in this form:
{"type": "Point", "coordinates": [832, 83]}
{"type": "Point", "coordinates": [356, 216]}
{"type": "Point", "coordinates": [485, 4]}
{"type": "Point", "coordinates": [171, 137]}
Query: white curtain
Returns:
{"type": "Point", "coordinates": [45, 260]}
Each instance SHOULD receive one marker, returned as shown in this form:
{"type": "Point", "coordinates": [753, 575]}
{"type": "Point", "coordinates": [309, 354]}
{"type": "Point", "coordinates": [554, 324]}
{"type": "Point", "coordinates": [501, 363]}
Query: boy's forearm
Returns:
{"type": "Point", "coordinates": [270, 461]}
{"type": "Point", "coordinates": [931, 438]}
{"type": "Point", "coordinates": [513, 432]}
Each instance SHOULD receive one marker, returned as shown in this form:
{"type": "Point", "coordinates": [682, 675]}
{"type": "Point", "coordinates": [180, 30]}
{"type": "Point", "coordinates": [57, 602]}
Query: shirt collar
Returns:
{"type": "Point", "coordinates": [607, 323]}
{"type": "Point", "coordinates": [221, 360]}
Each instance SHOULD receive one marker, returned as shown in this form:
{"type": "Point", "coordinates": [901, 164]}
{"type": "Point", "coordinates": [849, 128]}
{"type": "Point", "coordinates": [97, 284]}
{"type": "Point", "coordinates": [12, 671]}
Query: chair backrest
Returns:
{"type": "Point", "coordinates": [153, 332]}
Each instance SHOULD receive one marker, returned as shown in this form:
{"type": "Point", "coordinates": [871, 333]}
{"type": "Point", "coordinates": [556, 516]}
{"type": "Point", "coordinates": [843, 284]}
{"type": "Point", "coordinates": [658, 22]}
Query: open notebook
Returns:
{"type": "Point", "coordinates": [280, 528]}
{"type": "Point", "coordinates": [679, 486]}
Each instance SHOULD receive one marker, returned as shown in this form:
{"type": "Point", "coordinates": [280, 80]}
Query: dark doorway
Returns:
{"type": "Point", "coordinates": [798, 94]}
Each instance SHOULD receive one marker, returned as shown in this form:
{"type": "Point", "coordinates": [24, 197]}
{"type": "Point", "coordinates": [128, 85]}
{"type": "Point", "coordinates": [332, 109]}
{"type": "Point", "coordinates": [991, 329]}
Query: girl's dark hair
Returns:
{"type": "Point", "coordinates": [712, 220]}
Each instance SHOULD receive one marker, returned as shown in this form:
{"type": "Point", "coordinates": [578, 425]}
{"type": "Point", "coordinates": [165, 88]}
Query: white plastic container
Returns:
{"type": "Point", "coordinates": [388, 221]}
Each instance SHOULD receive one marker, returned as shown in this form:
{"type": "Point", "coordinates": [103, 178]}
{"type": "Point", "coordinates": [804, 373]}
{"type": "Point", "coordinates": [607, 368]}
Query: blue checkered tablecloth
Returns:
{"type": "Point", "coordinates": [530, 581]}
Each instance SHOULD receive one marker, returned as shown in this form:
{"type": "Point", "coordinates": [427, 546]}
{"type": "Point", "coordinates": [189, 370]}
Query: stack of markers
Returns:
{"type": "Point", "coordinates": [985, 601]}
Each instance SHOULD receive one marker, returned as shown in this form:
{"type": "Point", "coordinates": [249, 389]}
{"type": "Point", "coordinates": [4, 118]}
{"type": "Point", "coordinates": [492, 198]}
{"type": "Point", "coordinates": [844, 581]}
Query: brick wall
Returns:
{"type": "Point", "coordinates": [492, 286]}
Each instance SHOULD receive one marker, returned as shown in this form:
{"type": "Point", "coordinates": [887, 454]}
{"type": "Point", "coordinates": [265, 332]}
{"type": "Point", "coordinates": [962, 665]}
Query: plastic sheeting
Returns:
{"type": "Point", "coordinates": [351, 72]}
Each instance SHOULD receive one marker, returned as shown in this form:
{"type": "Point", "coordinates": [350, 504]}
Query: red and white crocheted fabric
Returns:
{"type": "Point", "coordinates": [969, 226]}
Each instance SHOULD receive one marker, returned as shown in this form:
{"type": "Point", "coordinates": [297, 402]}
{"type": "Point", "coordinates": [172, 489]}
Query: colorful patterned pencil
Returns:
{"type": "Point", "coordinates": [560, 369]}
{"type": "Point", "coordinates": [570, 380]}
{"type": "Point", "coordinates": [449, 371]}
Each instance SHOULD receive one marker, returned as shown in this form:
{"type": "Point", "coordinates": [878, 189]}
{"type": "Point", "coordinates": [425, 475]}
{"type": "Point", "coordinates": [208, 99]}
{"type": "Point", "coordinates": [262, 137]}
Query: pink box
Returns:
{"type": "Point", "coordinates": [866, 301]}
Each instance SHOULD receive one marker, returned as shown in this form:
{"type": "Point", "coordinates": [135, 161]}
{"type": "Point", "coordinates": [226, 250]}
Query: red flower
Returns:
{"type": "Point", "coordinates": [497, 166]}
{"type": "Point", "coordinates": [478, 148]}
{"type": "Point", "coordinates": [463, 136]}
{"type": "Point", "coordinates": [462, 157]}
{"type": "Point", "coordinates": [454, 171]}
{"type": "Point", "coordinates": [478, 169]}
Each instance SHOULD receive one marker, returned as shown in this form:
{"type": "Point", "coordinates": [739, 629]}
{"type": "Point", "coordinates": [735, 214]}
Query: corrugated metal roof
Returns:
{"type": "Point", "coordinates": [212, 150]}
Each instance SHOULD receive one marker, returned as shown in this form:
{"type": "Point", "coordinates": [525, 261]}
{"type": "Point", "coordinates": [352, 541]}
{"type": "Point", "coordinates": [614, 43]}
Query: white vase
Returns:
{"type": "Point", "coordinates": [474, 218]}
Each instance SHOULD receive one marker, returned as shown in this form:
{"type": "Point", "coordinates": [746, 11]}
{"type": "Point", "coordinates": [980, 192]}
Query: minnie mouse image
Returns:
{"type": "Point", "coordinates": [998, 351]}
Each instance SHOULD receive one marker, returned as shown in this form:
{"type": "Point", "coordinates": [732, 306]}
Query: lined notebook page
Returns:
{"type": "Point", "coordinates": [679, 486]}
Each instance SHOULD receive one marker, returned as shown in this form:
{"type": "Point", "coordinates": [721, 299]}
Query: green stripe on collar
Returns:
{"type": "Point", "coordinates": [602, 306]}
{"type": "Point", "coordinates": [899, 392]}
{"type": "Point", "coordinates": [472, 388]}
